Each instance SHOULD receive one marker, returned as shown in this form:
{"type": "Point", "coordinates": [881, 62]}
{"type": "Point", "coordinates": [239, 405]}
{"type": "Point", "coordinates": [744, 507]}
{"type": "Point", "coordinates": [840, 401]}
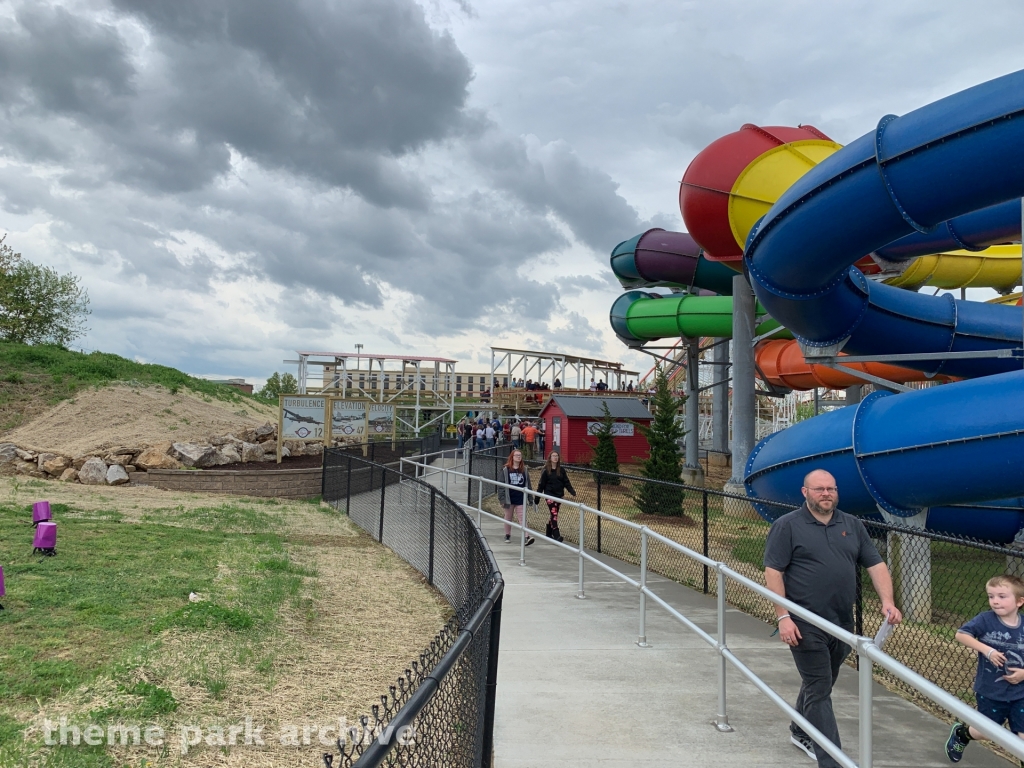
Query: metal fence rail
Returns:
{"type": "Point", "coordinates": [441, 711]}
{"type": "Point", "coordinates": [728, 583]}
{"type": "Point", "coordinates": [939, 579]}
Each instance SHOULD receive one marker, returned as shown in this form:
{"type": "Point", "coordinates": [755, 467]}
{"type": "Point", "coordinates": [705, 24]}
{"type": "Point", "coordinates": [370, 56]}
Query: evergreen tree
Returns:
{"type": "Point", "coordinates": [606, 458]}
{"type": "Point", "coordinates": [664, 462]}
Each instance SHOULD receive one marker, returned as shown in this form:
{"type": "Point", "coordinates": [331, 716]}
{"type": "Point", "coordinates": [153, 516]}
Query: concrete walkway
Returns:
{"type": "Point", "coordinates": [574, 689]}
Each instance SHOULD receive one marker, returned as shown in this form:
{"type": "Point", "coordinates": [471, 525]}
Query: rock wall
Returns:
{"type": "Point", "coordinates": [285, 483]}
{"type": "Point", "coordinates": [119, 465]}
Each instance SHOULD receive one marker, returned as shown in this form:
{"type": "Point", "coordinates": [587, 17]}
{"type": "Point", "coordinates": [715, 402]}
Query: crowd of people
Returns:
{"type": "Point", "coordinates": [525, 434]}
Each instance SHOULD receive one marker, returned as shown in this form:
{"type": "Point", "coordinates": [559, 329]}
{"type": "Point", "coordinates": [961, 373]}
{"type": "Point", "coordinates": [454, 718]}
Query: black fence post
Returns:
{"type": "Point", "coordinates": [383, 485]}
{"type": "Point", "coordinates": [430, 567]}
{"type": "Point", "coordinates": [490, 692]}
{"type": "Point", "coordinates": [348, 488]}
{"type": "Point", "coordinates": [705, 495]}
{"type": "Point", "coordinates": [598, 517]}
{"type": "Point", "coordinates": [323, 477]}
{"type": "Point", "coordinates": [469, 480]}
{"type": "Point", "coordinates": [373, 451]}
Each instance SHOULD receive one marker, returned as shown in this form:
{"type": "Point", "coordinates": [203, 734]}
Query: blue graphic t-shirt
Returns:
{"type": "Point", "coordinates": [989, 629]}
{"type": "Point", "coordinates": [515, 498]}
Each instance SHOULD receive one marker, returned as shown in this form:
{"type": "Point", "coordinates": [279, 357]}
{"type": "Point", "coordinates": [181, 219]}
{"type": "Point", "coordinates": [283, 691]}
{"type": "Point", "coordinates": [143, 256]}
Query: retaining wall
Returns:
{"type": "Point", "coordinates": [284, 483]}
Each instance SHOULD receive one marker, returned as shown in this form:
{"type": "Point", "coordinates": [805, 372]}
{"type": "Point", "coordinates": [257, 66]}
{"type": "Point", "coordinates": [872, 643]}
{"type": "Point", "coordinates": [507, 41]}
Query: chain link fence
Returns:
{"type": "Point", "coordinates": [939, 580]}
{"type": "Point", "coordinates": [440, 712]}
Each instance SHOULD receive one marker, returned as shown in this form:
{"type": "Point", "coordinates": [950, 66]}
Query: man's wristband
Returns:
{"type": "Point", "coordinates": [783, 616]}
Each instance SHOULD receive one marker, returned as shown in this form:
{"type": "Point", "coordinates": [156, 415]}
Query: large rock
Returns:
{"type": "Point", "coordinates": [266, 430]}
{"type": "Point", "coordinates": [313, 449]}
{"type": "Point", "coordinates": [228, 454]}
{"type": "Point", "coordinates": [54, 466]}
{"type": "Point", "coordinates": [42, 458]}
{"type": "Point", "coordinates": [116, 475]}
{"type": "Point", "coordinates": [27, 455]}
{"type": "Point", "coordinates": [93, 472]}
{"type": "Point", "coordinates": [225, 440]}
{"type": "Point", "coordinates": [194, 454]}
{"type": "Point", "coordinates": [156, 458]}
{"type": "Point", "coordinates": [69, 475]}
{"type": "Point", "coordinates": [252, 452]}
{"type": "Point", "coordinates": [25, 467]}
{"type": "Point", "coordinates": [295, 447]}
{"type": "Point", "coordinates": [120, 450]}
{"type": "Point", "coordinates": [121, 459]}
{"type": "Point", "coordinates": [8, 458]}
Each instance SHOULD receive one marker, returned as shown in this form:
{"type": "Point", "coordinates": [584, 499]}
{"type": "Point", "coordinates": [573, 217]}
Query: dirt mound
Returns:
{"type": "Point", "coordinates": [106, 417]}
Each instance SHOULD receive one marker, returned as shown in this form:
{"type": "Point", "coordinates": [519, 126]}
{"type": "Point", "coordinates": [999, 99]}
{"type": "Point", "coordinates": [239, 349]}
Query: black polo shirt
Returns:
{"type": "Point", "coordinates": [819, 562]}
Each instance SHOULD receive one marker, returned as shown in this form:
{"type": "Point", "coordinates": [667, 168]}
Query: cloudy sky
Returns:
{"type": "Point", "coordinates": [238, 179]}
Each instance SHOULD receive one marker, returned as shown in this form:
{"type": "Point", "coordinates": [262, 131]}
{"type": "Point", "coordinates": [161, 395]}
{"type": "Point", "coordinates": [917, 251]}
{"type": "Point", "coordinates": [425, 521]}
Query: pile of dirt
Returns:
{"type": "Point", "coordinates": [105, 417]}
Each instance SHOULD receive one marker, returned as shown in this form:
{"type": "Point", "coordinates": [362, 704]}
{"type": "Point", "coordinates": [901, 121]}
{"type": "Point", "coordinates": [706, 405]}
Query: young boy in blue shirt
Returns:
{"type": "Point", "coordinates": [998, 637]}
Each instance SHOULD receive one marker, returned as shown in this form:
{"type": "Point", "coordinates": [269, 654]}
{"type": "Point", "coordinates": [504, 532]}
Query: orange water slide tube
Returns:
{"type": "Point", "coordinates": [782, 364]}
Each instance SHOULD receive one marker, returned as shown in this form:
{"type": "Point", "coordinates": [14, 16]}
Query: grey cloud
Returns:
{"type": "Point", "coordinates": [552, 177]}
{"type": "Point", "coordinates": [70, 64]}
{"type": "Point", "coordinates": [600, 281]}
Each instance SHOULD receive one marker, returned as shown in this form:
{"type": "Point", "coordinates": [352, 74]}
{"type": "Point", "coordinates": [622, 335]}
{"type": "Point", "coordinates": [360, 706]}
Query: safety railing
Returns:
{"type": "Point", "coordinates": [869, 653]}
{"type": "Point", "coordinates": [441, 711]}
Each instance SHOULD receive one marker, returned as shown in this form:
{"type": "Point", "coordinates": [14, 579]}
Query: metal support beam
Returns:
{"type": "Point", "coordinates": [744, 400]}
{"type": "Point", "coordinates": [692, 474]}
{"type": "Point", "coordinates": [720, 398]}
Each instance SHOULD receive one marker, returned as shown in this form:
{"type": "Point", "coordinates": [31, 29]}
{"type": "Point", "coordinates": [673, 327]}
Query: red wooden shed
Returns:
{"type": "Point", "coordinates": [569, 419]}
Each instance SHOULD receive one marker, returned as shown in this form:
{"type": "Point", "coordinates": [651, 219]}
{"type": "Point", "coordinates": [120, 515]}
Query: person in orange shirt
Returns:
{"type": "Point", "coordinates": [529, 439]}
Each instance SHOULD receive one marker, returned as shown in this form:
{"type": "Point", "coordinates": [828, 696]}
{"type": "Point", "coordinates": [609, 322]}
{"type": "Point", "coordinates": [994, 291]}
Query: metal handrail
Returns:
{"type": "Point", "coordinates": [865, 646]}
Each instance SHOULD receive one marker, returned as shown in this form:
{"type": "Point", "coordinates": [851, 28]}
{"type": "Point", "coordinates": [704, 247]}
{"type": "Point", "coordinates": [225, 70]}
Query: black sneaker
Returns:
{"type": "Point", "coordinates": [508, 538]}
{"type": "Point", "coordinates": [956, 742]}
{"type": "Point", "coordinates": [529, 540]}
{"type": "Point", "coordinates": [803, 742]}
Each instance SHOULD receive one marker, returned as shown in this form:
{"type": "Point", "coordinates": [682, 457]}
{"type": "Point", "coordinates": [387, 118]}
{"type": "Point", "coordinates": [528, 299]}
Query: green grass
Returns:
{"type": "Point", "coordinates": [113, 588]}
{"type": "Point", "coordinates": [70, 371]}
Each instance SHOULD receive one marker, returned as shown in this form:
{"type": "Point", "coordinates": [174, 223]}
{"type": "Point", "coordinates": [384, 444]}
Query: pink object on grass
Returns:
{"type": "Point", "coordinates": [46, 536]}
{"type": "Point", "coordinates": [41, 512]}
{"type": "Point", "coordinates": [2, 590]}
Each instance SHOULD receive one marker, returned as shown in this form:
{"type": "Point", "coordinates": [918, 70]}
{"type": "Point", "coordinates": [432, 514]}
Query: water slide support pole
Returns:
{"type": "Point", "coordinates": [744, 400]}
{"type": "Point", "coordinates": [692, 473]}
{"type": "Point", "coordinates": [910, 563]}
{"type": "Point", "coordinates": [720, 400]}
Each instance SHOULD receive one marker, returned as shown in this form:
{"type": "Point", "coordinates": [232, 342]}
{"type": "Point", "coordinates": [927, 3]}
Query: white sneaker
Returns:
{"type": "Point", "coordinates": [804, 744]}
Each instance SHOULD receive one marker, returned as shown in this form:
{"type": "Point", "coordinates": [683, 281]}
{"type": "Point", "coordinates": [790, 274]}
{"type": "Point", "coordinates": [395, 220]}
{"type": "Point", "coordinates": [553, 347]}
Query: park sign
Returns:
{"type": "Point", "coordinates": [380, 420]}
{"type": "Point", "coordinates": [302, 418]}
{"type": "Point", "coordinates": [348, 420]}
{"type": "Point", "coordinates": [619, 428]}
{"type": "Point", "coordinates": [322, 419]}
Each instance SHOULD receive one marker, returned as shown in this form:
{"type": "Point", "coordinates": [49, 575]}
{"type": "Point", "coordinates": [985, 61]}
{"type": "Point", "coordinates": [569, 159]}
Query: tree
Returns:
{"type": "Point", "coordinates": [37, 304]}
{"type": "Point", "coordinates": [278, 384]}
{"type": "Point", "coordinates": [663, 436]}
{"type": "Point", "coordinates": [606, 458]}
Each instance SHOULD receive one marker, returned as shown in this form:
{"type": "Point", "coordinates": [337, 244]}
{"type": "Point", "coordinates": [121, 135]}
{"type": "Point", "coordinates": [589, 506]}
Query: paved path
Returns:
{"type": "Point", "coordinates": [574, 689]}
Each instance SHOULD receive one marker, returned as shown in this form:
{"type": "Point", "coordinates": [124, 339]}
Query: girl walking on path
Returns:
{"type": "Point", "coordinates": [554, 481]}
{"type": "Point", "coordinates": [513, 500]}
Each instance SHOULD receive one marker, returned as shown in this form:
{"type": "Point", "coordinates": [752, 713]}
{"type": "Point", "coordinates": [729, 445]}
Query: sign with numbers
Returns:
{"type": "Point", "coordinates": [302, 418]}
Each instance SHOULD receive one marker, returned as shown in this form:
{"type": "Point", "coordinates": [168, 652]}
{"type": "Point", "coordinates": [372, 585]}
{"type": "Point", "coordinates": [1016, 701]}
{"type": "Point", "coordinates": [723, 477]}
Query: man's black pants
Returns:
{"type": "Point", "coordinates": [818, 657]}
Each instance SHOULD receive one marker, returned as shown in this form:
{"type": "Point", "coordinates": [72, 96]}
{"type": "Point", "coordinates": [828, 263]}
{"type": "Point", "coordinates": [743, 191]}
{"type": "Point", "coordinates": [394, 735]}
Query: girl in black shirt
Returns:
{"type": "Point", "coordinates": [554, 481]}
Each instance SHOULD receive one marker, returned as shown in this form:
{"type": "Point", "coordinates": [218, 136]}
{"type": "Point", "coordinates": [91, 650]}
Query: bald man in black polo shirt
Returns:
{"type": "Point", "coordinates": [811, 557]}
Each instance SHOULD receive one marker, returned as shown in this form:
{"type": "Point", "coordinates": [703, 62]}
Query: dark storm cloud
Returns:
{"type": "Point", "coordinates": [332, 91]}
{"type": "Point", "coordinates": [62, 63]}
{"type": "Point", "coordinates": [335, 92]}
{"type": "Point", "coordinates": [552, 178]}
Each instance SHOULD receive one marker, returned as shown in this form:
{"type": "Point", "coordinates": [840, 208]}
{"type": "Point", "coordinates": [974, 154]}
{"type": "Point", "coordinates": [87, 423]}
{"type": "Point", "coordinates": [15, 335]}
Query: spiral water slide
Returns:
{"type": "Point", "coordinates": [673, 259]}
{"type": "Point", "coordinates": [947, 176]}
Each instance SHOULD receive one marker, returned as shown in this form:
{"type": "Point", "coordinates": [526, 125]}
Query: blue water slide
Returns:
{"type": "Point", "coordinates": [949, 173]}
